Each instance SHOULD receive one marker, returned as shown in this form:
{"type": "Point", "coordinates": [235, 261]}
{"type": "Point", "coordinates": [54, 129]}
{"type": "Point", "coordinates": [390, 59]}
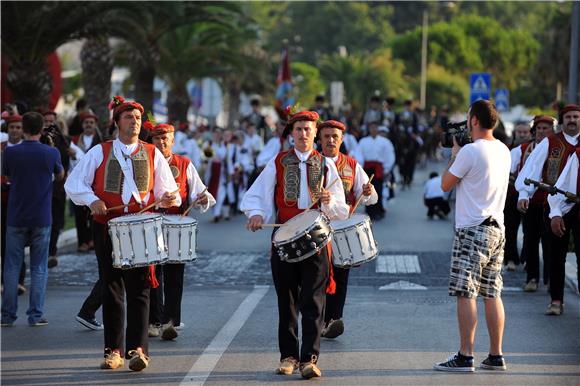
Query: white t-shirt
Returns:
{"type": "Point", "coordinates": [484, 169]}
{"type": "Point", "coordinates": [433, 188]}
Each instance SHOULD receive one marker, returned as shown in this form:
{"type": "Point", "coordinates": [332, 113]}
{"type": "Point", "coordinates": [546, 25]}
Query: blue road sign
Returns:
{"type": "Point", "coordinates": [479, 86]}
{"type": "Point", "coordinates": [502, 99]}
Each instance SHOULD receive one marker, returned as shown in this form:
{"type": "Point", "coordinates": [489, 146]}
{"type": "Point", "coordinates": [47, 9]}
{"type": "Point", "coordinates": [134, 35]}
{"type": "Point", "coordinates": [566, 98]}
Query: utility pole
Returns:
{"type": "Point", "coordinates": [575, 35]}
{"type": "Point", "coordinates": [423, 98]}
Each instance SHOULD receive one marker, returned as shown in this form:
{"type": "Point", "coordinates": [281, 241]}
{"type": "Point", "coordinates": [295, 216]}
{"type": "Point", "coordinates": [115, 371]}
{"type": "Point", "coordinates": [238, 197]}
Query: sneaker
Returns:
{"type": "Point", "coordinates": [138, 361]}
{"type": "Point", "coordinates": [180, 327]}
{"type": "Point", "coordinates": [456, 363]}
{"type": "Point", "coordinates": [52, 261]}
{"type": "Point", "coordinates": [494, 362]}
{"type": "Point", "coordinates": [310, 369]}
{"type": "Point", "coordinates": [113, 360]}
{"type": "Point", "coordinates": [90, 323]}
{"type": "Point", "coordinates": [168, 332]}
{"type": "Point", "coordinates": [154, 330]}
{"type": "Point", "coordinates": [287, 366]}
{"type": "Point", "coordinates": [333, 329]}
{"type": "Point", "coordinates": [39, 322]}
{"type": "Point", "coordinates": [531, 286]}
{"type": "Point", "coordinates": [555, 309]}
{"type": "Point", "coordinates": [21, 289]}
{"type": "Point", "coordinates": [6, 324]}
{"type": "Point", "coordinates": [511, 266]}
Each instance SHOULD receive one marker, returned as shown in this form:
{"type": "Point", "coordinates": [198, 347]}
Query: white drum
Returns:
{"type": "Point", "coordinates": [180, 234]}
{"type": "Point", "coordinates": [137, 240]}
{"type": "Point", "coordinates": [302, 236]}
{"type": "Point", "coordinates": [353, 242]}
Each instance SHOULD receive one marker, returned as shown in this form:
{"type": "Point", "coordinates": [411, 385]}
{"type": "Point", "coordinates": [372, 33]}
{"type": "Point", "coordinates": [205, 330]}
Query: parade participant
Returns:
{"type": "Point", "coordinates": [238, 165]}
{"type": "Point", "coordinates": [215, 173]}
{"type": "Point", "coordinates": [533, 224]}
{"type": "Point", "coordinates": [512, 217]}
{"type": "Point", "coordinates": [281, 141]}
{"type": "Point", "coordinates": [481, 175]}
{"type": "Point", "coordinates": [252, 140]}
{"type": "Point", "coordinates": [564, 216]}
{"type": "Point", "coordinates": [373, 114]}
{"type": "Point", "coordinates": [544, 163]}
{"type": "Point", "coordinates": [15, 135]}
{"type": "Point", "coordinates": [355, 183]}
{"type": "Point", "coordinates": [286, 187]}
{"type": "Point", "coordinates": [167, 297]}
{"type": "Point", "coordinates": [257, 119]}
{"type": "Point", "coordinates": [377, 156]}
{"type": "Point", "coordinates": [322, 111]}
{"type": "Point", "coordinates": [31, 167]}
{"type": "Point", "coordinates": [122, 171]}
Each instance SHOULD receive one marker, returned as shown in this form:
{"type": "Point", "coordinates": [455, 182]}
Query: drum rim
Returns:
{"type": "Point", "coordinates": [154, 217]}
{"type": "Point", "coordinates": [365, 218]}
{"type": "Point", "coordinates": [304, 232]}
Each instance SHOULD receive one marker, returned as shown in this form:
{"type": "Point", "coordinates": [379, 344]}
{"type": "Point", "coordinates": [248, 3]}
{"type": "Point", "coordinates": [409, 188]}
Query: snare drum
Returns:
{"type": "Point", "coordinates": [137, 240]}
{"type": "Point", "coordinates": [302, 236]}
{"type": "Point", "coordinates": [353, 242]}
{"type": "Point", "coordinates": [180, 235]}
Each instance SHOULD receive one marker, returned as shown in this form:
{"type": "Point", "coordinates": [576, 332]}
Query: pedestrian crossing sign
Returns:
{"type": "Point", "coordinates": [479, 86]}
{"type": "Point", "coordinates": [502, 99]}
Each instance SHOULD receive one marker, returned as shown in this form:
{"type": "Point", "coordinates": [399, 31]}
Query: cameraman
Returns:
{"type": "Point", "coordinates": [481, 172]}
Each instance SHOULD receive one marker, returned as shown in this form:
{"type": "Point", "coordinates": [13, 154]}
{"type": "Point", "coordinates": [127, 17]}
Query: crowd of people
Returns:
{"type": "Point", "coordinates": [276, 170]}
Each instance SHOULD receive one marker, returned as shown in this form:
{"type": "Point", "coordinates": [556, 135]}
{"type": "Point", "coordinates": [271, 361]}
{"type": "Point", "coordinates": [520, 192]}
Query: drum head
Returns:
{"type": "Point", "coordinates": [355, 219]}
{"type": "Point", "coordinates": [177, 219]}
{"type": "Point", "coordinates": [137, 217]}
{"type": "Point", "coordinates": [296, 225]}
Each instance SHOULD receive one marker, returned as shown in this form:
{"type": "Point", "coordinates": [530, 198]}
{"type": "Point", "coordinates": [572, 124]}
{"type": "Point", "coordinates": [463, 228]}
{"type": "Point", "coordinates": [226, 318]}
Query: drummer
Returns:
{"type": "Point", "coordinates": [165, 305]}
{"type": "Point", "coordinates": [113, 173]}
{"type": "Point", "coordinates": [355, 183]}
{"type": "Point", "coordinates": [286, 187]}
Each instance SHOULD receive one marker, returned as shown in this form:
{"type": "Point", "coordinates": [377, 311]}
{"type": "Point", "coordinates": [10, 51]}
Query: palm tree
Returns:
{"type": "Point", "coordinates": [97, 66]}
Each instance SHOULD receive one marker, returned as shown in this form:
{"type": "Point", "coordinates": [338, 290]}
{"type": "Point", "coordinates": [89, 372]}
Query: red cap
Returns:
{"type": "Point", "coordinates": [569, 108]}
{"type": "Point", "coordinates": [311, 116]}
{"type": "Point", "coordinates": [332, 124]}
{"type": "Point", "coordinates": [545, 119]}
{"type": "Point", "coordinates": [160, 129]}
{"type": "Point", "coordinates": [87, 114]}
{"type": "Point", "coordinates": [13, 118]}
{"type": "Point", "coordinates": [148, 125]}
{"type": "Point", "coordinates": [119, 105]}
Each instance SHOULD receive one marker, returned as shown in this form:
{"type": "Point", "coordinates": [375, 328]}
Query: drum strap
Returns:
{"type": "Point", "coordinates": [331, 285]}
{"type": "Point", "coordinates": [151, 277]}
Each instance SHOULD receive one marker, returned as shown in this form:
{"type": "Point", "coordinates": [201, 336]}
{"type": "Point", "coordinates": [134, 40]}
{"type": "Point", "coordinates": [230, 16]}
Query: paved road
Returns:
{"type": "Point", "coordinates": [398, 316]}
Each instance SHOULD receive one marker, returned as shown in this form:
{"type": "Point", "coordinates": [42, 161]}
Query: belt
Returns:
{"type": "Point", "coordinates": [490, 222]}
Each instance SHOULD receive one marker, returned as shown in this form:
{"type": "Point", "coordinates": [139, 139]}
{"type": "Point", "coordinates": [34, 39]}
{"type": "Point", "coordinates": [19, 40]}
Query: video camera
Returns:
{"type": "Point", "coordinates": [457, 130]}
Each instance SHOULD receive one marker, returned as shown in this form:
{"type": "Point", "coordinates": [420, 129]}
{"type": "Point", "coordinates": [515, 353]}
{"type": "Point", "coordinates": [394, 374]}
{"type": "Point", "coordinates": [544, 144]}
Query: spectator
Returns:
{"type": "Point", "coordinates": [434, 198]}
{"type": "Point", "coordinates": [30, 167]}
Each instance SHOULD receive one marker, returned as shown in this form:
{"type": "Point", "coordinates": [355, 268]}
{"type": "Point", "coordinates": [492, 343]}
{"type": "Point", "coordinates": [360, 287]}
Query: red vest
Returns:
{"type": "Point", "coordinates": [346, 167]}
{"type": "Point", "coordinates": [288, 181]}
{"type": "Point", "coordinates": [178, 165]}
{"type": "Point", "coordinates": [108, 181]}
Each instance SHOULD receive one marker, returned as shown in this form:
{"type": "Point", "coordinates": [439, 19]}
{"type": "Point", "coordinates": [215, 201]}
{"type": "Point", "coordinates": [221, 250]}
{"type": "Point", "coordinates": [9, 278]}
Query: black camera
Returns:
{"type": "Point", "coordinates": [457, 130]}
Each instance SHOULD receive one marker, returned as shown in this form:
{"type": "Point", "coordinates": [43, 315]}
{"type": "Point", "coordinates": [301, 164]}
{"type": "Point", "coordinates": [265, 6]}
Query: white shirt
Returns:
{"type": "Point", "coordinates": [255, 143]}
{"type": "Point", "coordinates": [259, 199]}
{"type": "Point", "coordinates": [534, 165]}
{"type": "Point", "coordinates": [79, 184]}
{"type": "Point", "coordinates": [180, 143]}
{"type": "Point", "coordinates": [243, 159]}
{"type": "Point", "coordinates": [350, 143]}
{"type": "Point", "coordinates": [361, 178]}
{"type": "Point", "coordinates": [483, 168]}
{"type": "Point", "coordinates": [10, 144]}
{"type": "Point", "coordinates": [269, 152]}
{"type": "Point", "coordinates": [433, 188]}
{"type": "Point", "coordinates": [567, 182]}
{"type": "Point", "coordinates": [194, 152]}
{"type": "Point", "coordinates": [378, 149]}
{"type": "Point", "coordinates": [87, 140]}
{"type": "Point", "coordinates": [196, 186]}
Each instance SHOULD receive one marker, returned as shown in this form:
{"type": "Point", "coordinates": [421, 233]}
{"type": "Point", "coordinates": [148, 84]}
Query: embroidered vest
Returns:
{"type": "Point", "coordinates": [178, 165]}
{"type": "Point", "coordinates": [287, 188]}
{"type": "Point", "coordinates": [108, 182]}
{"type": "Point", "coordinates": [346, 167]}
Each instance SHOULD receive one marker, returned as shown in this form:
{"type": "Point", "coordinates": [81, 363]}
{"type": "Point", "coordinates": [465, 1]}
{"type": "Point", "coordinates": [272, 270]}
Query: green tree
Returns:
{"type": "Point", "coordinates": [444, 88]}
{"type": "Point", "coordinates": [307, 82]}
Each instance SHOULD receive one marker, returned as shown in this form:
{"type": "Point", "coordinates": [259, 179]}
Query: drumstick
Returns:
{"type": "Point", "coordinates": [360, 198]}
{"type": "Point", "coordinates": [192, 204]}
{"type": "Point", "coordinates": [272, 225]}
{"type": "Point", "coordinates": [156, 202]}
{"type": "Point", "coordinates": [121, 206]}
{"type": "Point", "coordinates": [329, 186]}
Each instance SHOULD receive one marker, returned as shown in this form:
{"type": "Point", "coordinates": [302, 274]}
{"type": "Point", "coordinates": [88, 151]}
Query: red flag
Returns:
{"type": "Point", "coordinates": [284, 81]}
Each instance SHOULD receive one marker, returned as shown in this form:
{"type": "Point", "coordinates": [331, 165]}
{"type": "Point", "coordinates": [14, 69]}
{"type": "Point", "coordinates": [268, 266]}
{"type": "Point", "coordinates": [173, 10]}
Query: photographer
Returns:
{"type": "Point", "coordinates": [30, 167]}
{"type": "Point", "coordinates": [480, 170]}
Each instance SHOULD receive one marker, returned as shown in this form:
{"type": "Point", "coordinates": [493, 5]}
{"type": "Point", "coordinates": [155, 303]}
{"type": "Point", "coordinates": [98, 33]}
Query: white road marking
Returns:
{"type": "Point", "coordinates": [203, 367]}
{"type": "Point", "coordinates": [398, 264]}
{"type": "Point", "coordinates": [402, 285]}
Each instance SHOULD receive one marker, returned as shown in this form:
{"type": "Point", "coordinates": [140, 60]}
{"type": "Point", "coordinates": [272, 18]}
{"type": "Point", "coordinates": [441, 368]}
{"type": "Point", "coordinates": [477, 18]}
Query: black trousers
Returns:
{"type": "Point", "coordinates": [512, 220]}
{"type": "Point", "coordinates": [536, 230]}
{"type": "Point", "coordinates": [93, 301]}
{"type": "Point", "coordinates": [376, 211]}
{"type": "Point", "coordinates": [118, 284]}
{"type": "Point", "coordinates": [435, 205]}
{"type": "Point", "coordinates": [83, 223]}
{"type": "Point", "coordinates": [335, 302]}
{"type": "Point", "coordinates": [58, 207]}
{"type": "Point", "coordinates": [166, 299]}
{"type": "Point", "coordinates": [559, 249]}
{"type": "Point", "coordinates": [300, 287]}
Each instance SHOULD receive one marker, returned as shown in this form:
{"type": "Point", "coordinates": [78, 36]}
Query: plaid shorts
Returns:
{"type": "Point", "coordinates": [476, 262]}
